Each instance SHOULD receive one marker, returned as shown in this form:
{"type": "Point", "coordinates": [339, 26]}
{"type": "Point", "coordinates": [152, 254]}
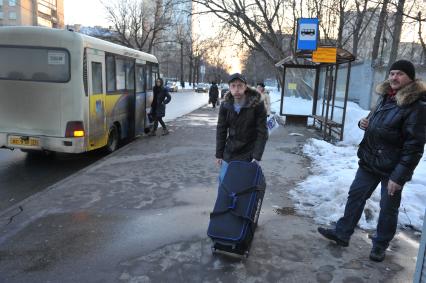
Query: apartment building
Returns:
{"type": "Point", "coordinates": [48, 13]}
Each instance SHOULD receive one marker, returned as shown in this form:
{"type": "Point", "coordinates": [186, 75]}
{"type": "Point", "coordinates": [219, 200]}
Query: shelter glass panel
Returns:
{"type": "Point", "coordinates": [298, 91]}
{"type": "Point", "coordinates": [339, 101]}
{"type": "Point", "coordinates": [321, 92]}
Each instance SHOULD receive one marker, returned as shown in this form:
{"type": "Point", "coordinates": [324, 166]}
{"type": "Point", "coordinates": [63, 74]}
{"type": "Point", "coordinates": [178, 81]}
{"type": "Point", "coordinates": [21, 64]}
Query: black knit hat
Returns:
{"type": "Point", "coordinates": [406, 66]}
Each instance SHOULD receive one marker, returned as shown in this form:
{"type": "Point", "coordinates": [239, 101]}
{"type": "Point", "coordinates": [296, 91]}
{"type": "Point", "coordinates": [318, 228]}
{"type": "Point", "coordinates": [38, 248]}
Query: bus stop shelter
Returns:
{"type": "Point", "coordinates": [316, 91]}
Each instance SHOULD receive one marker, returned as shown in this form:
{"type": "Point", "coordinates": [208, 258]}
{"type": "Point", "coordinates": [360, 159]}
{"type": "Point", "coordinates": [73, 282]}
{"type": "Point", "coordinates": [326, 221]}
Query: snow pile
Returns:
{"type": "Point", "coordinates": [323, 195]}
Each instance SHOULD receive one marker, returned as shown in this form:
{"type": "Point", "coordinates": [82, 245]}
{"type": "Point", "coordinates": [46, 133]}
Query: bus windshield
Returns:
{"type": "Point", "coordinates": [34, 64]}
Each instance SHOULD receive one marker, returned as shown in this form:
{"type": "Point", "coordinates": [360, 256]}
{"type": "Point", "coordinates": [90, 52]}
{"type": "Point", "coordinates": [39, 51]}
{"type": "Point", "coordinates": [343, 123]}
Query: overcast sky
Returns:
{"type": "Point", "coordinates": [93, 13]}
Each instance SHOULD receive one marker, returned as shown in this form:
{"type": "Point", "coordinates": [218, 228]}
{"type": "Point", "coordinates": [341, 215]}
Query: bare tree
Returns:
{"type": "Point", "coordinates": [420, 32]}
{"type": "Point", "coordinates": [139, 23]}
{"type": "Point", "coordinates": [396, 34]}
{"type": "Point", "coordinates": [379, 32]}
{"type": "Point", "coordinates": [360, 25]}
{"type": "Point", "coordinates": [260, 18]}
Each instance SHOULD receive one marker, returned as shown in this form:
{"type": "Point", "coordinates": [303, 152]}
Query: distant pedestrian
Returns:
{"type": "Point", "coordinates": [241, 127]}
{"type": "Point", "coordinates": [265, 97]}
{"type": "Point", "coordinates": [158, 106]}
{"type": "Point", "coordinates": [213, 94]}
{"type": "Point", "coordinates": [393, 144]}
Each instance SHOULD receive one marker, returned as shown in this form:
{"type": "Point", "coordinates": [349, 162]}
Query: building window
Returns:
{"type": "Point", "coordinates": [12, 15]}
{"type": "Point", "coordinates": [43, 22]}
{"type": "Point", "coordinates": [12, 3]}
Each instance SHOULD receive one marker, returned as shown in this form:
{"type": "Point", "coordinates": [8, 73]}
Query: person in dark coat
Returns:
{"type": "Point", "coordinates": [241, 127]}
{"type": "Point", "coordinates": [213, 94]}
{"type": "Point", "coordinates": [390, 150]}
{"type": "Point", "coordinates": [158, 106]}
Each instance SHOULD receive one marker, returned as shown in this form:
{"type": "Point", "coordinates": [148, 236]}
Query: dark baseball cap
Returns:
{"type": "Point", "coordinates": [237, 76]}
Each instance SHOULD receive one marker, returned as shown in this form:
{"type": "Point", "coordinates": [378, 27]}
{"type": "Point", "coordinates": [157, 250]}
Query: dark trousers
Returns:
{"type": "Point", "coordinates": [213, 102]}
{"type": "Point", "coordinates": [361, 189]}
{"type": "Point", "coordinates": [159, 119]}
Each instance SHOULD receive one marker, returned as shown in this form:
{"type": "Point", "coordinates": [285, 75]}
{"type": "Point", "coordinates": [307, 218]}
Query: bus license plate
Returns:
{"type": "Point", "coordinates": [25, 141]}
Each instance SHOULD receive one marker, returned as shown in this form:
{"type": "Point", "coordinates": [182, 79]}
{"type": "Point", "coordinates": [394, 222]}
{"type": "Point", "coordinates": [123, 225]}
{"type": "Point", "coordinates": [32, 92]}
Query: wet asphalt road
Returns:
{"type": "Point", "coordinates": [23, 174]}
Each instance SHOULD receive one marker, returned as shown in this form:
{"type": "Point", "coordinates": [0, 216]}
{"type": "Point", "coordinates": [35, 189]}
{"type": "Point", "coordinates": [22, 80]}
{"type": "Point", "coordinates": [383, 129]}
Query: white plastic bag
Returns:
{"type": "Point", "coordinates": [272, 124]}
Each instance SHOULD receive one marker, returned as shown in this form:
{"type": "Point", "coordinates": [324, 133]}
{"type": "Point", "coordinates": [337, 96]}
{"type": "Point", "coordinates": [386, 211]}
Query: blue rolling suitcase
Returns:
{"type": "Point", "coordinates": [237, 208]}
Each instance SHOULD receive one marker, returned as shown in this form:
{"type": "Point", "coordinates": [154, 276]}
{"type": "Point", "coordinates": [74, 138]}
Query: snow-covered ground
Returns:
{"type": "Point", "coordinates": [183, 103]}
{"type": "Point", "coordinates": [323, 194]}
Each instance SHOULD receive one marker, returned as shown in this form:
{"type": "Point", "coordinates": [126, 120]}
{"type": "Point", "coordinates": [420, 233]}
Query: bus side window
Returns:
{"type": "Point", "coordinates": [148, 78]}
{"type": "Point", "coordinates": [97, 78]}
{"type": "Point", "coordinates": [130, 75]}
{"type": "Point", "coordinates": [110, 73]}
{"type": "Point", "coordinates": [140, 79]}
{"type": "Point", "coordinates": [120, 69]}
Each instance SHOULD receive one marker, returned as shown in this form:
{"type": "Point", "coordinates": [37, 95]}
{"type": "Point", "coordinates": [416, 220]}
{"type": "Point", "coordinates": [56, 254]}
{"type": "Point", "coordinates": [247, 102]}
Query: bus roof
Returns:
{"type": "Point", "coordinates": [19, 35]}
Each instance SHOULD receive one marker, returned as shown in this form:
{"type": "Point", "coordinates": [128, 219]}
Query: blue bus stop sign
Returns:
{"type": "Point", "coordinates": [307, 34]}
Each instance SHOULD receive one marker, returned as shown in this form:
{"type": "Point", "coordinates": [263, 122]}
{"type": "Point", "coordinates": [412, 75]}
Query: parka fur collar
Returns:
{"type": "Point", "coordinates": [253, 97]}
{"type": "Point", "coordinates": [410, 93]}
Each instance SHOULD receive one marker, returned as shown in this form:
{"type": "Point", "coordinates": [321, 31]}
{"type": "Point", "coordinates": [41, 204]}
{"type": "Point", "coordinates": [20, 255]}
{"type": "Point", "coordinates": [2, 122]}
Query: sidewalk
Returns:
{"type": "Point", "coordinates": [141, 215]}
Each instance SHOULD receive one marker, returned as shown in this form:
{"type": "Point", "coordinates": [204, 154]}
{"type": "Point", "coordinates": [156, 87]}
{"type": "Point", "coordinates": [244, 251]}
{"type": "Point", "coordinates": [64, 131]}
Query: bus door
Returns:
{"type": "Point", "coordinates": [98, 133]}
{"type": "Point", "coordinates": [140, 114]}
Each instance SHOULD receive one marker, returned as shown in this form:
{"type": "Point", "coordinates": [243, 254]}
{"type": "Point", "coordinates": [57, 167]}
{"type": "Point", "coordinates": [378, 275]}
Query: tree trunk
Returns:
{"type": "Point", "coordinates": [396, 33]}
{"type": "Point", "coordinates": [341, 24]}
{"type": "Point", "coordinates": [422, 42]}
{"type": "Point", "coordinates": [182, 83]}
{"type": "Point", "coordinates": [378, 34]}
{"type": "Point", "coordinates": [190, 78]}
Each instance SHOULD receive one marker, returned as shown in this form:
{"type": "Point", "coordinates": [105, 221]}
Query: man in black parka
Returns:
{"type": "Point", "coordinates": [393, 144]}
{"type": "Point", "coordinates": [241, 127]}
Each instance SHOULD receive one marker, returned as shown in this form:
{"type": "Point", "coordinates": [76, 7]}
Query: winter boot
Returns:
{"type": "Point", "coordinates": [165, 132]}
{"type": "Point", "coordinates": [377, 254]}
{"type": "Point", "coordinates": [332, 235]}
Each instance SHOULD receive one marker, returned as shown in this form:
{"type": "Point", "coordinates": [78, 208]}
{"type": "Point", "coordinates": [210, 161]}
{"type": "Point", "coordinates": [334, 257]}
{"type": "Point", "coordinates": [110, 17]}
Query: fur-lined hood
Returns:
{"type": "Point", "coordinates": [253, 97]}
{"type": "Point", "coordinates": [410, 93]}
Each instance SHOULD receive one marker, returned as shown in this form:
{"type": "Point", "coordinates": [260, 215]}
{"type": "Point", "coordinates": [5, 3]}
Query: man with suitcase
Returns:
{"type": "Point", "coordinates": [240, 142]}
{"type": "Point", "coordinates": [241, 127]}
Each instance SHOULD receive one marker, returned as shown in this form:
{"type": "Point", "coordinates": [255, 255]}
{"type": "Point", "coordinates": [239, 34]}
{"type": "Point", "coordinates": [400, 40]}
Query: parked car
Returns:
{"type": "Point", "coordinates": [172, 86]}
{"type": "Point", "coordinates": [201, 87]}
{"type": "Point", "coordinates": [224, 88]}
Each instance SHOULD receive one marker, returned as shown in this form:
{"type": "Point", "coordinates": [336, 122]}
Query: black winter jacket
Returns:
{"type": "Point", "coordinates": [161, 98]}
{"type": "Point", "coordinates": [394, 140]}
{"type": "Point", "coordinates": [241, 136]}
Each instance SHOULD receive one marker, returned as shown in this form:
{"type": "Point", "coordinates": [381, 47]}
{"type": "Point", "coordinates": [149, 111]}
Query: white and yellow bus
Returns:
{"type": "Point", "coordinates": [63, 91]}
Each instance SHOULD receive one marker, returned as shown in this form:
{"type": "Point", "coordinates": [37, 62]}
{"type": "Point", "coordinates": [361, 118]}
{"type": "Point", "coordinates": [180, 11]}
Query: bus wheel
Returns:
{"type": "Point", "coordinates": [113, 139]}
